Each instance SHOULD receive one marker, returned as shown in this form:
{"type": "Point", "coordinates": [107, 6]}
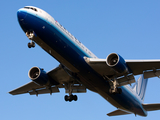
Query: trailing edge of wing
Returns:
{"type": "Point", "coordinates": [118, 112]}
{"type": "Point", "coordinates": [151, 107]}
{"type": "Point", "coordinates": [44, 91]}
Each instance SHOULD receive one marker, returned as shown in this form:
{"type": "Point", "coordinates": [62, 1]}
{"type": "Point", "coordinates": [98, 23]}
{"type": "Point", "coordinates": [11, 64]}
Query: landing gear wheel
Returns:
{"type": "Point", "coordinates": [31, 44]}
{"type": "Point", "coordinates": [66, 97]}
{"type": "Point", "coordinates": [70, 98]}
{"type": "Point", "coordinates": [75, 98]}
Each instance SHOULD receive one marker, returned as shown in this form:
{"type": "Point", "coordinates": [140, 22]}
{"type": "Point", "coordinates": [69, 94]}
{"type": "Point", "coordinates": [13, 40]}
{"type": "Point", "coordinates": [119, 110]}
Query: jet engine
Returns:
{"type": "Point", "coordinates": [39, 76]}
{"type": "Point", "coordinates": [116, 62]}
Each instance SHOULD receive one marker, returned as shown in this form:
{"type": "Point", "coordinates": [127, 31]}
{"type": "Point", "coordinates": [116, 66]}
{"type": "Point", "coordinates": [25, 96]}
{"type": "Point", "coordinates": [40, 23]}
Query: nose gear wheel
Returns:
{"type": "Point", "coordinates": [31, 44]}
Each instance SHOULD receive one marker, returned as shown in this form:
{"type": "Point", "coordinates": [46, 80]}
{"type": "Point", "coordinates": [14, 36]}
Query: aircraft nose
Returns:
{"type": "Point", "coordinates": [21, 15]}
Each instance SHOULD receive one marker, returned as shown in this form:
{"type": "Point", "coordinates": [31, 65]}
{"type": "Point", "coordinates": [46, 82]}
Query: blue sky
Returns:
{"type": "Point", "coordinates": [130, 28]}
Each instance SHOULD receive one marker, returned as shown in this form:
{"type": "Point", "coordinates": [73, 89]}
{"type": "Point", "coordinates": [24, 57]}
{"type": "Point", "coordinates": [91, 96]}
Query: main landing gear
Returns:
{"type": "Point", "coordinates": [71, 97]}
{"type": "Point", "coordinates": [31, 36]}
{"type": "Point", "coordinates": [114, 89]}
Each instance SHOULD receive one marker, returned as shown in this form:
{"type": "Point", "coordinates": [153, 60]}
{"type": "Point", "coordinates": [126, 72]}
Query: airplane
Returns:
{"type": "Point", "coordinates": [80, 69]}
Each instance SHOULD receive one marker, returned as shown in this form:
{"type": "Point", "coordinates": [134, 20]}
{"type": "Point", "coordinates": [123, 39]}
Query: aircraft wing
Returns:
{"type": "Point", "coordinates": [150, 68]}
{"type": "Point", "coordinates": [59, 75]}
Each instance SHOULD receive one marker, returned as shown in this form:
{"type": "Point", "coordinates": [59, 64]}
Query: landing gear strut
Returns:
{"type": "Point", "coordinates": [114, 89]}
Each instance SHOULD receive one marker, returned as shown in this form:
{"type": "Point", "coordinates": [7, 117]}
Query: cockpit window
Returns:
{"type": "Point", "coordinates": [26, 7]}
{"type": "Point", "coordinates": [31, 8]}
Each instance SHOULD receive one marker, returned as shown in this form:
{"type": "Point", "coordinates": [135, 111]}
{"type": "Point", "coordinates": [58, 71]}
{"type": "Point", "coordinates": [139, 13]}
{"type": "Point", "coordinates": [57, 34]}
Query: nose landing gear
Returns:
{"type": "Point", "coordinates": [31, 35]}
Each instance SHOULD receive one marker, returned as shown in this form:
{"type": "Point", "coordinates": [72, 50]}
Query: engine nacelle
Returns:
{"type": "Point", "coordinates": [116, 62]}
{"type": "Point", "coordinates": [39, 76]}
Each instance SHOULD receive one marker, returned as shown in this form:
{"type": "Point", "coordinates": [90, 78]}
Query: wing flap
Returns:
{"type": "Point", "coordinates": [118, 112]}
{"type": "Point", "coordinates": [44, 91]}
{"type": "Point", "coordinates": [151, 107]}
{"type": "Point", "coordinates": [149, 74]}
{"type": "Point", "coordinates": [126, 80]}
{"type": "Point", "coordinates": [77, 89]}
